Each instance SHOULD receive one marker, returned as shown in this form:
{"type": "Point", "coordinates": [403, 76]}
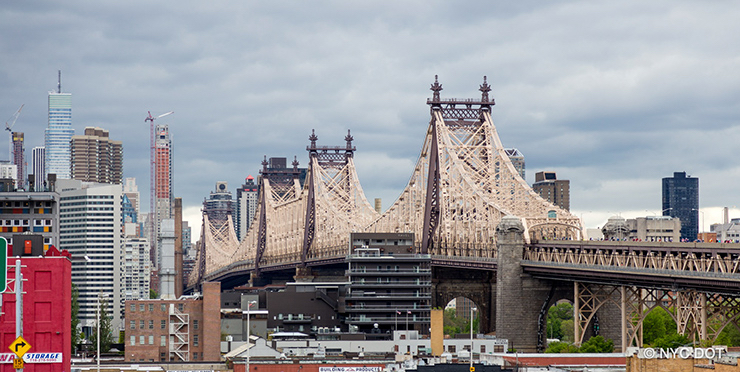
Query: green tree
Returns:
{"type": "Point", "coordinates": [76, 338]}
{"type": "Point", "coordinates": [106, 329]}
{"type": "Point", "coordinates": [153, 294]}
{"type": "Point", "coordinates": [671, 341]}
{"type": "Point", "coordinates": [657, 324]}
{"type": "Point", "coordinates": [556, 316]}
{"type": "Point", "coordinates": [597, 344]}
{"type": "Point", "coordinates": [561, 347]}
{"type": "Point", "coordinates": [729, 336]}
{"type": "Point", "coordinates": [568, 328]}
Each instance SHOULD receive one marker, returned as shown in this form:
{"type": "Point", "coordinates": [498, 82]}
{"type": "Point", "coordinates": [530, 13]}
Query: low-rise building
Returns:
{"type": "Point", "coordinates": [184, 329]}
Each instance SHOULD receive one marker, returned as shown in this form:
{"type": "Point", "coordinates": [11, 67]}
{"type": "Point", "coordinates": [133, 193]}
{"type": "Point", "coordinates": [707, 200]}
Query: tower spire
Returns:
{"type": "Point", "coordinates": [59, 81]}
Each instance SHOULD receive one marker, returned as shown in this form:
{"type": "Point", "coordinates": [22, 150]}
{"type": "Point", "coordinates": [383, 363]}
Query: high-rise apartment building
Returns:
{"type": "Point", "coordinates": [96, 158]}
{"type": "Point", "coordinates": [517, 158]}
{"type": "Point", "coordinates": [18, 158]}
{"type": "Point", "coordinates": [58, 134]}
{"type": "Point", "coordinates": [90, 227]}
{"type": "Point", "coordinates": [681, 200]}
{"type": "Point", "coordinates": [552, 189]}
{"type": "Point", "coordinates": [137, 269]}
{"type": "Point", "coordinates": [37, 167]}
{"type": "Point", "coordinates": [163, 192]}
{"type": "Point", "coordinates": [219, 206]}
{"type": "Point", "coordinates": [246, 206]}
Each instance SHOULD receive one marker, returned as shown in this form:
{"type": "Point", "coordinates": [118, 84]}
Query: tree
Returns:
{"type": "Point", "coordinates": [106, 329]}
{"type": "Point", "coordinates": [561, 347]}
{"type": "Point", "coordinates": [657, 324]}
{"type": "Point", "coordinates": [557, 316]}
{"type": "Point", "coordinates": [153, 294]}
{"type": "Point", "coordinates": [597, 344]}
{"type": "Point", "coordinates": [75, 318]}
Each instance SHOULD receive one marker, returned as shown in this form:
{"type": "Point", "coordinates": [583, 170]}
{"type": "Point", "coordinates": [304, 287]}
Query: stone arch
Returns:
{"type": "Point", "coordinates": [477, 285]}
{"type": "Point", "coordinates": [554, 230]}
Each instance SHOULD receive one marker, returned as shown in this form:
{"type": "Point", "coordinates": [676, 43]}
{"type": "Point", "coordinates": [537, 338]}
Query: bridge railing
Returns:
{"type": "Point", "coordinates": [720, 260]}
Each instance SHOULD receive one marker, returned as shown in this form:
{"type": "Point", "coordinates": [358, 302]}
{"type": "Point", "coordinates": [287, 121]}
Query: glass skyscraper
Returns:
{"type": "Point", "coordinates": [58, 135]}
{"type": "Point", "coordinates": [681, 200]}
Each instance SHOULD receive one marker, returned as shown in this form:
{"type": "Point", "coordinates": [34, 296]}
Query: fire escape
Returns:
{"type": "Point", "coordinates": [179, 335]}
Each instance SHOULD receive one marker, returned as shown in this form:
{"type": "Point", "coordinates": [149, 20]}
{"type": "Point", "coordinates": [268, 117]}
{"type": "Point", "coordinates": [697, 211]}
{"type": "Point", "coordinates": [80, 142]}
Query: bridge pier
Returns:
{"type": "Point", "coordinates": [478, 286]}
{"type": "Point", "coordinates": [521, 300]}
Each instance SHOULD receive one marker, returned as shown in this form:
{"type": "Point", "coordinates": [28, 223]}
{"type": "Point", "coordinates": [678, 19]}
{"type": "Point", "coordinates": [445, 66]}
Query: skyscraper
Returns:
{"type": "Point", "coordinates": [90, 226]}
{"type": "Point", "coordinates": [96, 158]}
{"type": "Point", "coordinates": [219, 206]}
{"type": "Point", "coordinates": [38, 168]}
{"type": "Point", "coordinates": [163, 194]}
{"type": "Point", "coordinates": [517, 158]}
{"type": "Point", "coordinates": [246, 206]}
{"type": "Point", "coordinates": [18, 159]}
{"type": "Point", "coordinates": [681, 199]}
{"type": "Point", "coordinates": [58, 134]}
{"type": "Point", "coordinates": [552, 189]}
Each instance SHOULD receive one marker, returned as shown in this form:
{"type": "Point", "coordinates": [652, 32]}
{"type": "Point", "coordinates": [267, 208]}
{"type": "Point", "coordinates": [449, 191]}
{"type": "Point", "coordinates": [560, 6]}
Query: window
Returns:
{"type": "Point", "coordinates": [133, 307]}
{"type": "Point", "coordinates": [151, 324]}
{"type": "Point", "coordinates": [195, 356]}
{"type": "Point", "coordinates": [180, 307]}
{"type": "Point", "coordinates": [163, 307]}
{"type": "Point", "coordinates": [141, 307]}
{"type": "Point", "coordinates": [195, 340]}
{"type": "Point", "coordinates": [162, 324]}
{"type": "Point", "coordinates": [151, 307]}
{"type": "Point", "coordinates": [451, 348]}
{"type": "Point", "coordinates": [162, 340]}
{"type": "Point", "coordinates": [151, 340]}
{"type": "Point", "coordinates": [132, 341]}
{"type": "Point", "coordinates": [195, 323]}
{"type": "Point", "coordinates": [133, 324]}
{"type": "Point", "coordinates": [141, 340]}
{"type": "Point", "coordinates": [483, 349]}
{"type": "Point", "coordinates": [141, 324]}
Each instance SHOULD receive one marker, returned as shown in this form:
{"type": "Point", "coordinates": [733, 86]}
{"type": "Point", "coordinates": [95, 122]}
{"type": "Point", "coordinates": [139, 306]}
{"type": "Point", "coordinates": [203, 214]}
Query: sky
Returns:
{"type": "Point", "coordinates": [613, 96]}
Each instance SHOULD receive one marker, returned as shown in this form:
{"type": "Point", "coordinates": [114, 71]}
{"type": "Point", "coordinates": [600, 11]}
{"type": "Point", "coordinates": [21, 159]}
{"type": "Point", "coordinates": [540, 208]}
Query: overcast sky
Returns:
{"type": "Point", "coordinates": [612, 95]}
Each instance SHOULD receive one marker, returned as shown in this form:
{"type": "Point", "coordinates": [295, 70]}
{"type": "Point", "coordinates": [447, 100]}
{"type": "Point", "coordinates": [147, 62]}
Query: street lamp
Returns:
{"type": "Point", "coordinates": [249, 330]}
{"type": "Point", "coordinates": [472, 309]}
{"type": "Point", "coordinates": [100, 297]}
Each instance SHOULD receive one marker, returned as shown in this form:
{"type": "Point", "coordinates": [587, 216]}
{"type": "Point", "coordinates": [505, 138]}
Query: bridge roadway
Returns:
{"type": "Point", "coordinates": [710, 267]}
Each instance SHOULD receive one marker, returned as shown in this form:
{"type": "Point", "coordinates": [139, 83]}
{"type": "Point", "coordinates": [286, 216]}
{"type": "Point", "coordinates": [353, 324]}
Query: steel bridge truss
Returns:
{"type": "Point", "coordinates": [464, 183]}
{"type": "Point", "coordinates": [294, 223]}
{"type": "Point", "coordinates": [698, 315]}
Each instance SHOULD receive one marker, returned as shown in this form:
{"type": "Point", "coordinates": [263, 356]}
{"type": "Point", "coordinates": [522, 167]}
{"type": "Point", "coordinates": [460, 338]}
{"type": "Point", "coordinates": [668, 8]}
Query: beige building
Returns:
{"type": "Point", "coordinates": [96, 158]}
{"type": "Point", "coordinates": [552, 189]}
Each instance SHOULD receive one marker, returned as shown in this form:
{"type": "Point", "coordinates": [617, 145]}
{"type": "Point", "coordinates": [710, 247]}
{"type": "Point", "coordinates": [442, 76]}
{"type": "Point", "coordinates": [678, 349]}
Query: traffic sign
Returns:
{"type": "Point", "coordinates": [472, 369]}
{"type": "Point", "coordinates": [3, 264]}
{"type": "Point", "coordinates": [18, 363]}
{"type": "Point", "coordinates": [20, 346]}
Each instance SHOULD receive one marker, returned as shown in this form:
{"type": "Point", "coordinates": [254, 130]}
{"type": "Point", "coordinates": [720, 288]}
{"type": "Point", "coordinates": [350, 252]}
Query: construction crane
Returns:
{"type": "Point", "coordinates": [9, 127]}
{"type": "Point", "coordinates": [153, 177]}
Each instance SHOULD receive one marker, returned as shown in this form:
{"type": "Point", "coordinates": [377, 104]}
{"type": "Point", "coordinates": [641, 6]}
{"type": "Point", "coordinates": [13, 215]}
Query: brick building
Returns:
{"type": "Point", "coordinates": [185, 329]}
{"type": "Point", "coordinates": [47, 311]}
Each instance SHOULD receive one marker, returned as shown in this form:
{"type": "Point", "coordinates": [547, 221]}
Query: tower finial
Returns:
{"type": "Point", "coordinates": [264, 163]}
{"type": "Point", "coordinates": [349, 139]}
{"type": "Point", "coordinates": [313, 138]}
{"type": "Point", "coordinates": [436, 88]}
{"type": "Point", "coordinates": [485, 88]}
{"type": "Point", "coordinates": [295, 162]}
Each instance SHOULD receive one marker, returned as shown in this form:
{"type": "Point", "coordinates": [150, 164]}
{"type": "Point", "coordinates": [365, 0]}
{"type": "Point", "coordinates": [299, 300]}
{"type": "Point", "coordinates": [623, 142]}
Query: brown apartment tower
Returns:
{"type": "Point", "coordinates": [96, 158]}
{"type": "Point", "coordinates": [552, 189]}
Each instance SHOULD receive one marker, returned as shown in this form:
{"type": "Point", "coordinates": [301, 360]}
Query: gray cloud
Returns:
{"type": "Point", "coordinates": [613, 96]}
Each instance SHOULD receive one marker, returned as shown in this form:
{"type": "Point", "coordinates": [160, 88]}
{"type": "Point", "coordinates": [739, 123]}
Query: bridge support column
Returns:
{"type": "Point", "coordinates": [303, 274]}
{"type": "Point", "coordinates": [519, 297]}
{"type": "Point", "coordinates": [598, 311]}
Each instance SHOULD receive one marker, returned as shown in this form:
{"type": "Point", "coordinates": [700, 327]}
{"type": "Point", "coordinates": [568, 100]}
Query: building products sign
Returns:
{"type": "Point", "coordinates": [349, 369]}
{"type": "Point", "coordinates": [33, 357]}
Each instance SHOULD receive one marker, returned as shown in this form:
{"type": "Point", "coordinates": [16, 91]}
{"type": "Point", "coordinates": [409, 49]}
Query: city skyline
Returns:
{"type": "Point", "coordinates": [613, 97]}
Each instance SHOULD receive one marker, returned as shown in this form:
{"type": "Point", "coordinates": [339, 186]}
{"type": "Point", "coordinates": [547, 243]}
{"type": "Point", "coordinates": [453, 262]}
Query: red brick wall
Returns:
{"type": "Point", "coordinates": [212, 321]}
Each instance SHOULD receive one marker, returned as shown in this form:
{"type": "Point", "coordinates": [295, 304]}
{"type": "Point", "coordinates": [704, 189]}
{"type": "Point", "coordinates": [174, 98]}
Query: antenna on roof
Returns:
{"type": "Point", "coordinates": [59, 83]}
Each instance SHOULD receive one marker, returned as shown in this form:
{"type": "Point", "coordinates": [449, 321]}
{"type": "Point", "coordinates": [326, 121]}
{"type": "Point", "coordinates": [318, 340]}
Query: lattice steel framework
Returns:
{"type": "Point", "coordinates": [698, 315]}
{"type": "Point", "coordinates": [294, 224]}
{"type": "Point", "coordinates": [464, 183]}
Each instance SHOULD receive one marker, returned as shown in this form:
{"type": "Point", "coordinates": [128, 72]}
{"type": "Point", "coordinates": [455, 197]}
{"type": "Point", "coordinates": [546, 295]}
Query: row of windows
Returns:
{"type": "Point", "coordinates": [162, 324]}
{"type": "Point", "coordinates": [87, 197]}
{"type": "Point", "coordinates": [162, 307]}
